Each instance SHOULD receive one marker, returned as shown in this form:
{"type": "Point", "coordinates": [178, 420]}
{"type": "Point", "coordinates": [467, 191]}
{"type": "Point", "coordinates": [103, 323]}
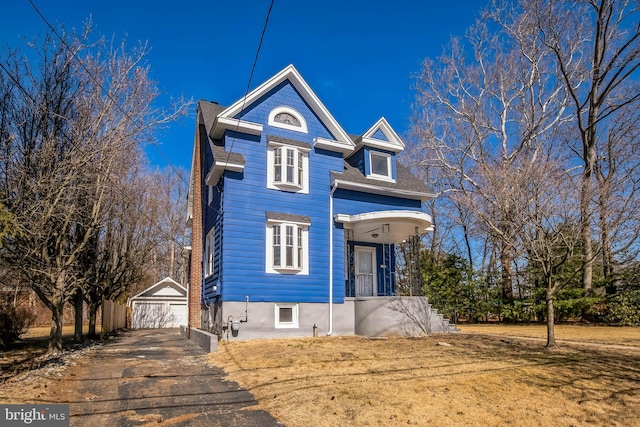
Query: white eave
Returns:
{"type": "Point", "coordinates": [225, 123]}
{"type": "Point", "coordinates": [226, 119]}
{"type": "Point", "coordinates": [374, 188]}
{"type": "Point", "coordinates": [218, 169]}
{"type": "Point", "coordinates": [332, 145]}
{"type": "Point", "coordinates": [393, 142]}
{"type": "Point", "coordinates": [392, 226]}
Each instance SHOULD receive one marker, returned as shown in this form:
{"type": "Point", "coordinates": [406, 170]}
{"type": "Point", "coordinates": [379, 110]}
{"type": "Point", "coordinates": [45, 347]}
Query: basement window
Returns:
{"type": "Point", "coordinates": [286, 316]}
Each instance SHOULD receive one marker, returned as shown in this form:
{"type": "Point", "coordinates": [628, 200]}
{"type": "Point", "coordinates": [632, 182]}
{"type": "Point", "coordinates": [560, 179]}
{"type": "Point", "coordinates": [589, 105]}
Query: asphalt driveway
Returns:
{"type": "Point", "coordinates": [156, 377]}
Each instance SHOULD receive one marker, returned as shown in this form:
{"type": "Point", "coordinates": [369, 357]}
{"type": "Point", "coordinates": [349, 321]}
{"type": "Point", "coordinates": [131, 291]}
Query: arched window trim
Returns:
{"type": "Point", "coordinates": [303, 123]}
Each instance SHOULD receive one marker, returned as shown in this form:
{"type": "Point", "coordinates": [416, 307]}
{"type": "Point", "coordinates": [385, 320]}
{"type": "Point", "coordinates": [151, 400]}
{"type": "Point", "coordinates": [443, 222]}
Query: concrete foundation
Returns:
{"type": "Point", "coordinates": [368, 316]}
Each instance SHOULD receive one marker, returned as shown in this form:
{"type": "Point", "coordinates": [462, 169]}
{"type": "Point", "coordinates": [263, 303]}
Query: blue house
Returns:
{"type": "Point", "coordinates": [294, 222]}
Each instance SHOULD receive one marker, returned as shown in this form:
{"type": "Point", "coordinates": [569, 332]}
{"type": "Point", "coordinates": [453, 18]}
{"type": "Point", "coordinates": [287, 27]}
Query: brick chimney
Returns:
{"type": "Point", "coordinates": [195, 274]}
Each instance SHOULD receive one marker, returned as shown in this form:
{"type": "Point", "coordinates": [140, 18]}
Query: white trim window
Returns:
{"type": "Point", "coordinates": [287, 118]}
{"type": "Point", "coordinates": [380, 165]}
{"type": "Point", "coordinates": [286, 316]}
{"type": "Point", "coordinates": [288, 168]}
{"type": "Point", "coordinates": [287, 247]}
{"type": "Point", "coordinates": [209, 243]}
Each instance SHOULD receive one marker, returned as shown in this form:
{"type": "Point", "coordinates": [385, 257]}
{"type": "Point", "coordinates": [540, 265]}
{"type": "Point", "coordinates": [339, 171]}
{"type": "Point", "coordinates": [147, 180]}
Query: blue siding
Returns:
{"type": "Point", "coordinates": [357, 160]}
{"type": "Point", "coordinates": [286, 94]}
{"type": "Point", "coordinates": [247, 198]}
{"type": "Point", "coordinates": [241, 201]}
{"type": "Point", "coordinates": [353, 202]}
{"type": "Point", "coordinates": [213, 218]}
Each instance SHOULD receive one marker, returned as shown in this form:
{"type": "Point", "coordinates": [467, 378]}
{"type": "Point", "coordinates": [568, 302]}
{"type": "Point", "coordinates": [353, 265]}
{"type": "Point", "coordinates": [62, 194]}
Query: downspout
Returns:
{"type": "Point", "coordinates": [333, 189]}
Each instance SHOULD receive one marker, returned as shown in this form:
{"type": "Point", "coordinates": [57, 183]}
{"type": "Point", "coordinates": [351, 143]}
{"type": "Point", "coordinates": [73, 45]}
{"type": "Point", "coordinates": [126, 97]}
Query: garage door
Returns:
{"type": "Point", "coordinates": [179, 314]}
{"type": "Point", "coordinates": [158, 315]}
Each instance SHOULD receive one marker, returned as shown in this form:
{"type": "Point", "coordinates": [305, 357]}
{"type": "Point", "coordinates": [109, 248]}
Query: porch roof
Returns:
{"type": "Point", "coordinates": [368, 226]}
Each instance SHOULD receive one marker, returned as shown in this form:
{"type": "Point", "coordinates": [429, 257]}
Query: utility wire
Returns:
{"type": "Point", "coordinates": [95, 79]}
{"type": "Point", "coordinates": [142, 212]}
{"type": "Point", "coordinates": [253, 67]}
{"type": "Point", "coordinates": [264, 29]}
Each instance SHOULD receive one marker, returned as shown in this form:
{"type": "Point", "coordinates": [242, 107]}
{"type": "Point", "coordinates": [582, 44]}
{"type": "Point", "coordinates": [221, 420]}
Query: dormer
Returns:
{"type": "Point", "coordinates": [376, 150]}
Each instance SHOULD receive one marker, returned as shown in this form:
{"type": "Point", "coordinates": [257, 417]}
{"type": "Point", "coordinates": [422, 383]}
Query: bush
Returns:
{"type": "Point", "coordinates": [14, 322]}
{"type": "Point", "coordinates": [624, 308]}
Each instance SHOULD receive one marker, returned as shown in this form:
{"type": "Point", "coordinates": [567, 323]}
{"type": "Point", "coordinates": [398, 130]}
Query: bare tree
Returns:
{"type": "Point", "coordinates": [483, 108]}
{"type": "Point", "coordinates": [596, 50]}
{"type": "Point", "coordinates": [617, 175]}
{"type": "Point", "coordinates": [74, 124]}
{"type": "Point", "coordinates": [547, 222]}
{"type": "Point", "coordinates": [170, 195]}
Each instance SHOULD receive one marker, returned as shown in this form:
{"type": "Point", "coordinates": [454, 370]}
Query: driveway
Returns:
{"type": "Point", "coordinates": [156, 377]}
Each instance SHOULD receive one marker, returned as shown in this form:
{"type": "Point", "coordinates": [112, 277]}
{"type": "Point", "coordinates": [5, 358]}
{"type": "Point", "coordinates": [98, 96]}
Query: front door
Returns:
{"type": "Point", "coordinates": [366, 283]}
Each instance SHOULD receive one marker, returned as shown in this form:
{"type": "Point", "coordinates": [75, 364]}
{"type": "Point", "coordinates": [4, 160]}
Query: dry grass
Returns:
{"type": "Point", "coordinates": [605, 335]}
{"type": "Point", "coordinates": [478, 380]}
{"type": "Point", "coordinates": [67, 331]}
{"type": "Point", "coordinates": [25, 354]}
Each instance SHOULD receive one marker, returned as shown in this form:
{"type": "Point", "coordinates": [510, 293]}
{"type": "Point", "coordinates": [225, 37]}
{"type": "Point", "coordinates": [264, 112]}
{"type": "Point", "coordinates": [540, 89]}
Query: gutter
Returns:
{"type": "Point", "coordinates": [333, 189]}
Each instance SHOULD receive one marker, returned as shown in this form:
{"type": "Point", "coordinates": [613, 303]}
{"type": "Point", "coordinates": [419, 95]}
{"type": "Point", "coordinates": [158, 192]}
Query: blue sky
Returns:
{"type": "Point", "coordinates": [358, 56]}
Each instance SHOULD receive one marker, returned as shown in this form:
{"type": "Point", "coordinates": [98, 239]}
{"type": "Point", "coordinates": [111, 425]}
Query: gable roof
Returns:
{"type": "Point", "coordinates": [222, 159]}
{"type": "Point", "coordinates": [406, 185]}
{"type": "Point", "coordinates": [206, 113]}
{"type": "Point", "coordinates": [392, 141]}
{"type": "Point", "coordinates": [226, 119]}
{"type": "Point", "coordinates": [178, 291]}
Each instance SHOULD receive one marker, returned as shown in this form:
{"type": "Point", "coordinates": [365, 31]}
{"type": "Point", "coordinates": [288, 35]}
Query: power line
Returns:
{"type": "Point", "coordinates": [140, 209]}
{"type": "Point", "coordinates": [253, 67]}
{"type": "Point", "coordinates": [126, 114]}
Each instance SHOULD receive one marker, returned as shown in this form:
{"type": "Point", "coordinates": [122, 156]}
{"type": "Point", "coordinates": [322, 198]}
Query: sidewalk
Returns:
{"type": "Point", "coordinates": [155, 376]}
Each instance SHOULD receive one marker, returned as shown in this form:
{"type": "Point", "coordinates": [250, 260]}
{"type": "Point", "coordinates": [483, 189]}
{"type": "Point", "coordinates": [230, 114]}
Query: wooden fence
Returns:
{"type": "Point", "coordinates": [114, 316]}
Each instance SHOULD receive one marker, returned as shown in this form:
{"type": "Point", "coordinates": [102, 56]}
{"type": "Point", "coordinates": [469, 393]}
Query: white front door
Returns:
{"type": "Point", "coordinates": [366, 283]}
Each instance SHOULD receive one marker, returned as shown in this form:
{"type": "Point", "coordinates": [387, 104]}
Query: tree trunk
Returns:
{"type": "Point", "coordinates": [77, 305]}
{"type": "Point", "coordinates": [607, 258]}
{"type": "Point", "coordinates": [585, 217]}
{"type": "Point", "coordinates": [55, 336]}
{"type": "Point", "coordinates": [507, 273]}
{"type": "Point", "coordinates": [172, 260]}
{"type": "Point", "coordinates": [551, 335]}
{"type": "Point", "coordinates": [93, 313]}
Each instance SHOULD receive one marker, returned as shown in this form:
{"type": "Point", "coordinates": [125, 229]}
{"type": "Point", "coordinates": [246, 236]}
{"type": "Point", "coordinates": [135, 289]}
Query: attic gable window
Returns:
{"type": "Point", "coordinates": [287, 118]}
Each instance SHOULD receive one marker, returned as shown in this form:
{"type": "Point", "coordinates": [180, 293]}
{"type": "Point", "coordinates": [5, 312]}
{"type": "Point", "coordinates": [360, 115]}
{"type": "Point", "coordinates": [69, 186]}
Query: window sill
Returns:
{"type": "Point", "coordinates": [287, 187]}
{"type": "Point", "coordinates": [381, 177]}
{"type": "Point", "coordinates": [287, 270]}
{"type": "Point", "coordinates": [286, 326]}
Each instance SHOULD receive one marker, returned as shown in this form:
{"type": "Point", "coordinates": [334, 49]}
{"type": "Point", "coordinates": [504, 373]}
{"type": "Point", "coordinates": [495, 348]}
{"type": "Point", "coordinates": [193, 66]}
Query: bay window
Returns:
{"type": "Point", "coordinates": [287, 244]}
{"type": "Point", "coordinates": [288, 167]}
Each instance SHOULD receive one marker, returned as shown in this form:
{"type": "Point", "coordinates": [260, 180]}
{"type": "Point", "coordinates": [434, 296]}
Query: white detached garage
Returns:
{"type": "Point", "coordinates": [163, 305]}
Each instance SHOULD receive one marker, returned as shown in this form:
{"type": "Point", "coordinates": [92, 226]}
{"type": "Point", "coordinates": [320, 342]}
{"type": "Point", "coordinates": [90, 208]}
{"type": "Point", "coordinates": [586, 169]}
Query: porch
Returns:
{"type": "Point", "coordinates": [382, 251]}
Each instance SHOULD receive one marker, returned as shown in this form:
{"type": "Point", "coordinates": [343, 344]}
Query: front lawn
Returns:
{"type": "Point", "coordinates": [484, 378]}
